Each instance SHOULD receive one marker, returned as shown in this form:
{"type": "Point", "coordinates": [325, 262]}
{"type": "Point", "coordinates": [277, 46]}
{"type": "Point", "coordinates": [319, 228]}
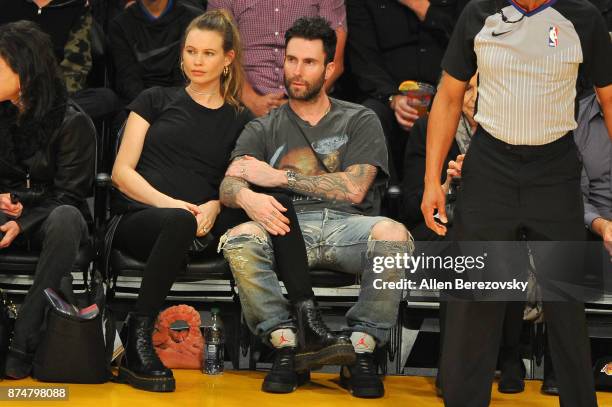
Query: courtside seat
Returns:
{"type": "Point", "coordinates": [18, 266]}
{"type": "Point", "coordinates": [211, 268]}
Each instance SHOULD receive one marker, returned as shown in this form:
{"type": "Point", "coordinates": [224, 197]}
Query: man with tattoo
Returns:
{"type": "Point", "coordinates": [331, 156]}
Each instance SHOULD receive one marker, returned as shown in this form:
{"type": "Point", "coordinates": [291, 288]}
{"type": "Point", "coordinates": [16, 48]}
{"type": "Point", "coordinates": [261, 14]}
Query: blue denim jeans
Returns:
{"type": "Point", "coordinates": [335, 241]}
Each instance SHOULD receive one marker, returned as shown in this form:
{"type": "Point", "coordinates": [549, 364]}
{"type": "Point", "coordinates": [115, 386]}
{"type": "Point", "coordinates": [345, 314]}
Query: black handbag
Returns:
{"type": "Point", "coordinates": [8, 315]}
{"type": "Point", "coordinates": [75, 350]}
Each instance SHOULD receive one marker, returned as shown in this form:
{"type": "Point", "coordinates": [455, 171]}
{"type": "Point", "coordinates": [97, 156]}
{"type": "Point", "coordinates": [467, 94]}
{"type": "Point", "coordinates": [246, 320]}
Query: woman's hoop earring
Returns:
{"type": "Point", "coordinates": [183, 71]}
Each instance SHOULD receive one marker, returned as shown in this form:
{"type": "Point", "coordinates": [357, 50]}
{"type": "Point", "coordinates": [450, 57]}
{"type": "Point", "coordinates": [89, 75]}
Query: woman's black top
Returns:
{"type": "Point", "coordinates": [187, 147]}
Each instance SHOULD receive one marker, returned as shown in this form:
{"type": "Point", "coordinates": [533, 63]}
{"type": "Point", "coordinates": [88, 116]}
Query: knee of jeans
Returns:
{"type": "Point", "coordinates": [240, 245]}
{"type": "Point", "coordinates": [389, 230]}
{"type": "Point", "coordinates": [65, 219]}
{"type": "Point", "coordinates": [390, 236]}
{"type": "Point", "coordinates": [182, 222]}
{"type": "Point", "coordinates": [248, 229]}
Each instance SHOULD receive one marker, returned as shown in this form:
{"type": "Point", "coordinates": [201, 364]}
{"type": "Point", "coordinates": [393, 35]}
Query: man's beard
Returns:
{"type": "Point", "coordinates": [310, 91]}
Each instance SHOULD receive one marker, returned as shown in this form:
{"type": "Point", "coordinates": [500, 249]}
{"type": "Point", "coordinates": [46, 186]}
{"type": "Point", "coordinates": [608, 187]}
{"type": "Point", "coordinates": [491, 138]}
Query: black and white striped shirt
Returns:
{"type": "Point", "coordinates": [528, 64]}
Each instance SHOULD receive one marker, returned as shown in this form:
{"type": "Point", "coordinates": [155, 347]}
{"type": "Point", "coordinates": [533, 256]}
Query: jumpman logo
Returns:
{"type": "Point", "coordinates": [282, 339]}
{"type": "Point", "coordinates": [361, 343]}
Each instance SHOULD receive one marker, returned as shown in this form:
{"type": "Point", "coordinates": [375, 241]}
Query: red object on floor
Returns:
{"type": "Point", "coordinates": [179, 349]}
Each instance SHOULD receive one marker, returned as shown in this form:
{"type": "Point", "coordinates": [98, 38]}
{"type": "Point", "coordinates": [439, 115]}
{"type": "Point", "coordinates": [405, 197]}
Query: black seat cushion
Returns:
{"type": "Point", "coordinates": [23, 261]}
{"type": "Point", "coordinates": [331, 279]}
{"type": "Point", "coordinates": [216, 268]}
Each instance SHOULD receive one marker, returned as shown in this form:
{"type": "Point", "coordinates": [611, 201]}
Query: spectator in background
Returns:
{"type": "Point", "coordinates": [595, 147]}
{"type": "Point", "coordinates": [144, 41]}
{"type": "Point", "coordinates": [47, 156]}
{"type": "Point", "coordinates": [263, 29]}
{"type": "Point", "coordinates": [392, 41]}
{"type": "Point", "coordinates": [68, 23]}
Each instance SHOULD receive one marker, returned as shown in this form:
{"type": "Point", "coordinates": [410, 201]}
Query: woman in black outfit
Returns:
{"type": "Point", "coordinates": [47, 158]}
{"type": "Point", "coordinates": [174, 153]}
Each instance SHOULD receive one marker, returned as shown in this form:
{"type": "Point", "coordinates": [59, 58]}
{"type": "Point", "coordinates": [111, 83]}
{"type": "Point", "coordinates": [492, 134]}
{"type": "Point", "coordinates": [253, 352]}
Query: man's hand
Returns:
{"type": "Point", "coordinates": [434, 198]}
{"type": "Point", "coordinates": [256, 172]}
{"type": "Point", "coordinates": [265, 210]}
{"type": "Point", "coordinates": [9, 208]}
{"type": "Point", "coordinates": [10, 229]}
{"type": "Point", "coordinates": [260, 105]}
{"type": "Point", "coordinates": [405, 114]}
{"type": "Point", "coordinates": [419, 7]}
{"type": "Point", "coordinates": [603, 228]}
{"type": "Point", "coordinates": [607, 237]}
{"type": "Point", "coordinates": [453, 171]}
{"type": "Point", "coordinates": [207, 217]}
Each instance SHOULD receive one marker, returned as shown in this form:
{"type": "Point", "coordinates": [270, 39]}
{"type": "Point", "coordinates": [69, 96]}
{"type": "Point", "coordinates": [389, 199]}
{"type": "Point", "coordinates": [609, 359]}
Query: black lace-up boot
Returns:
{"type": "Point", "coordinates": [317, 345]}
{"type": "Point", "coordinates": [141, 367]}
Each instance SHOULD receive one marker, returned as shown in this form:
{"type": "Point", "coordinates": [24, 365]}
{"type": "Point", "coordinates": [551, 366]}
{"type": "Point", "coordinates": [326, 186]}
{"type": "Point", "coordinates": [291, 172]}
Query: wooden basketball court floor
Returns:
{"type": "Point", "coordinates": [242, 389]}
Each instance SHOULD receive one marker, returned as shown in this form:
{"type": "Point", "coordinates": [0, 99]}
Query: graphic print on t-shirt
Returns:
{"type": "Point", "coordinates": [322, 157]}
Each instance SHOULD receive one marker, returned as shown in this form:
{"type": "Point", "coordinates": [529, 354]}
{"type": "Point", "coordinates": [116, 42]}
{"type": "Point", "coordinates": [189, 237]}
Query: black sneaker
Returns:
{"type": "Point", "coordinates": [282, 378]}
{"type": "Point", "coordinates": [361, 379]}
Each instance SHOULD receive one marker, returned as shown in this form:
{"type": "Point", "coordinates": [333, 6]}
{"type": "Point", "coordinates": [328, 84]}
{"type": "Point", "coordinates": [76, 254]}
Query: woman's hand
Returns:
{"type": "Point", "coordinates": [10, 229]}
{"type": "Point", "coordinates": [177, 203]}
{"type": "Point", "coordinates": [9, 208]}
{"type": "Point", "coordinates": [207, 217]}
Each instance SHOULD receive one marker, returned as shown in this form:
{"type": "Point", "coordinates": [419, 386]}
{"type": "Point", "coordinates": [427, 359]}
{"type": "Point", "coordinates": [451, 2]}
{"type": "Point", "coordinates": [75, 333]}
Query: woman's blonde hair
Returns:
{"type": "Point", "coordinates": [221, 21]}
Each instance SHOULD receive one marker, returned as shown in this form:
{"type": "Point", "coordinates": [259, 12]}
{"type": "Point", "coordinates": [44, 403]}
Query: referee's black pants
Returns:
{"type": "Point", "coordinates": [508, 191]}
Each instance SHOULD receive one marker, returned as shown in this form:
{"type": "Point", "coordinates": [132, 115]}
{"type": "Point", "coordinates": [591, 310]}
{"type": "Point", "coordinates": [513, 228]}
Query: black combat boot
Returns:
{"type": "Point", "coordinates": [141, 367]}
{"type": "Point", "coordinates": [317, 345]}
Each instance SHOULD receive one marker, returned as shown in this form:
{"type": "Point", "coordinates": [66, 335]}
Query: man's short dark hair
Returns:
{"type": "Point", "coordinates": [314, 28]}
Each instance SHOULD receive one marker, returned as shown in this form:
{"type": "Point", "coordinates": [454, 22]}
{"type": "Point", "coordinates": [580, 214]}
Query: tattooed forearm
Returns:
{"type": "Point", "coordinates": [351, 185]}
{"type": "Point", "coordinates": [230, 186]}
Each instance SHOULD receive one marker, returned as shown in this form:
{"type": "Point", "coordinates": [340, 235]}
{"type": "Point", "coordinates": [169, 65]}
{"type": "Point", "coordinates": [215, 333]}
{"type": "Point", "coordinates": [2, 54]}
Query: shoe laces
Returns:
{"type": "Point", "coordinates": [284, 359]}
{"type": "Point", "coordinates": [364, 365]}
{"type": "Point", "coordinates": [316, 321]}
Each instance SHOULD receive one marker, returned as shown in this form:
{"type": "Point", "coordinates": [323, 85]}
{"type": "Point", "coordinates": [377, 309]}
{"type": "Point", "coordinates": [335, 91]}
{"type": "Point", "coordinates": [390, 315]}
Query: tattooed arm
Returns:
{"type": "Point", "coordinates": [264, 209]}
{"type": "Point", "coordinates": [230, 187]}
{"type": "Point", "coordinates": [351, 185]}
{"type": "Point", "coordinates": [229, 191]}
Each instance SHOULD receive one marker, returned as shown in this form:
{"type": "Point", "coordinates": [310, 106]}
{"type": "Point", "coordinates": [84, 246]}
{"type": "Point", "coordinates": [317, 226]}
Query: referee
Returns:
{"type": "Point", "coordinates": [521, 174]}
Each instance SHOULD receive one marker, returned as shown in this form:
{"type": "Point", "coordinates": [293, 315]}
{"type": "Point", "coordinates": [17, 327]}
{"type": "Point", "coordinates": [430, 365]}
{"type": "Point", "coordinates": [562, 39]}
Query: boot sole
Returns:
{"type": "Point", "coordinates": [283, 388]}
{"type": "Point", "coordinates": [341, 354]}
{"type": "Point", "coordinates": [364, 392]}
{"type": "Point", "coordinates": [279, 388]}
{"type": "Point", "coordinates": [550, 391]}
{"type": "Point", "coordinates": [157, 384]}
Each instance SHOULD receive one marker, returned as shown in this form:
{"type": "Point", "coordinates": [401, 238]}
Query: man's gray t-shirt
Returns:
{"type": "Point", "coordinates": [349, 134]}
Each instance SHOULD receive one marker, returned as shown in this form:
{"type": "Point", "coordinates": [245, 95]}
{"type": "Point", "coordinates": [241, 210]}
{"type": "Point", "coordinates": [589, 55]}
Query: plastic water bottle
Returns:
{"type": "Point", "coordinates": [214, 345]}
